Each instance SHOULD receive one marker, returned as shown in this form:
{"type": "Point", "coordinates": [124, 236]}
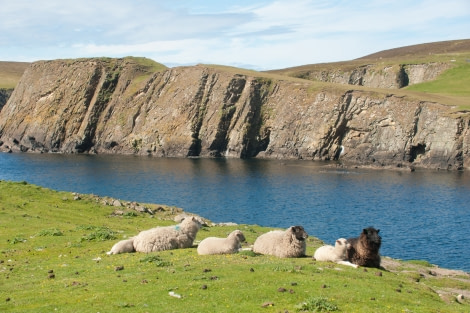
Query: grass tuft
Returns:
{"type": "Point", "coordinates": [155, 260]}
{"type": "Point", "coordinates": [317, 304]}
{"type": "Point", "coordinates": [98, 233]}
{"type": "Point", "coordinates": [50, 232]}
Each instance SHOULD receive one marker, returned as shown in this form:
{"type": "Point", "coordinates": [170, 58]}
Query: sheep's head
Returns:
{"type": "Point", "coordinates": [192, 220]}
{"type": "Point", "coordinates": [341, 247]}
{"type": "Point", "coordinates": [299, 232]}
{"type": "Point", "coordinates": [342, 243]}
{"type": "Point", "coordinates": [239, 235]}
{"type": "Point", "coordinates": [370, 236]}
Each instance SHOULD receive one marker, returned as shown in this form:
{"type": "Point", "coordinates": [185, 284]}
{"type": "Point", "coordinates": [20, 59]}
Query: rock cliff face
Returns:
{"type": "Point", "coordinates": [4, 95]}
{"type": "Point", "coordinates": [391, 77]}
{"type": "Point", "coordinates": [105, 106]}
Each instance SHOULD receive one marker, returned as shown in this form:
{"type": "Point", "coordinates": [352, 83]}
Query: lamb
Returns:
{"type": "Point", "coordinates": [214, 245]}
{"type": "Point", "coordinates": [123, 246]}
{"type": "Point", "coordinates": [283, 244]}
{"type": "Point", "coordinates": [364, 251]}
{"type": "Point", "coordinates": [337, 254]}
{"type": "Point", "coordinates": [168, 237]}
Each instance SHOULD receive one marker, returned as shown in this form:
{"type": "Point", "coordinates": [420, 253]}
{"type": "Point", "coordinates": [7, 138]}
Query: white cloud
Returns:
{"type": "Point", "coordinates": [266, 33]}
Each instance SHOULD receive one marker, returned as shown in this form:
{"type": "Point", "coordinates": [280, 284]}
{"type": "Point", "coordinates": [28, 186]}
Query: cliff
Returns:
{"type": "Point", "coordinates": [4, 95]}
{"type": "Point", "coordinates": [117, 106]}
{"type": "Point", "coordinates": [377, 76]}
{"type": "Point", "coordinates": [392, 69]}
{"type": "Point", "coordinates": [10, 74]}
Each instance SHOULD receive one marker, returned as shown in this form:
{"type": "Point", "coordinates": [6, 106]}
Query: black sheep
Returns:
{"type": "Point", "coordinates": [364, 251]}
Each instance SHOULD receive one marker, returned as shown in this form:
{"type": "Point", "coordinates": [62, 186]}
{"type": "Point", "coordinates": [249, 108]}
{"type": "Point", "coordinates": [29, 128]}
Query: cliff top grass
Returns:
{"type": "Point", "coordinates": [10, 73]}
{"type": "Point", "coordinates": [53, 258]}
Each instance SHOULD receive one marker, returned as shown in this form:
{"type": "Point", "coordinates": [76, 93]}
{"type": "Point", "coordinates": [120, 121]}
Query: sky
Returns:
{"type": "Point", "coordinates": [255, 34]}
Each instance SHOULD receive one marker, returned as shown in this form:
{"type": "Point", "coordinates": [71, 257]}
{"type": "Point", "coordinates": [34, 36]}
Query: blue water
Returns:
{"type": "Point", "coordinates": [421, 215]}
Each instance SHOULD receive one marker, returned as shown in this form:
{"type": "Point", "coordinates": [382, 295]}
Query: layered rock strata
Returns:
{"type": "Point", "coordinates": [105, 106]}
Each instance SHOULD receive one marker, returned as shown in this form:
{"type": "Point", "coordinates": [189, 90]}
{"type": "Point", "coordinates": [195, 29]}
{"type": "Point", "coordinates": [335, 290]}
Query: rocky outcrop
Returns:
{"type": "Point", "coordinates": [376, 76]}
{"type": "Point", "coordinates": [4, 95]}
{"type": "Point", "coordinates": [104, 106]}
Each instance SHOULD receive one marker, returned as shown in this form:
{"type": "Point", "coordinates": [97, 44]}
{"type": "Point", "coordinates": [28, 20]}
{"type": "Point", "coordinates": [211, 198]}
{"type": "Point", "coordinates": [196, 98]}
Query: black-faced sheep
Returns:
{"type": "Point", "coordinates": [168, 237]}
{"type": "Point", "coordinates": [284, 244]}
{"type": "Point", "coordinates": [364, 251]}
{"type": "Point", "coordinates": [337, 254]}
{"type": "Point", "coordinates": [123, 246]}
{"type": "Point", "coordinates": [214, 245]}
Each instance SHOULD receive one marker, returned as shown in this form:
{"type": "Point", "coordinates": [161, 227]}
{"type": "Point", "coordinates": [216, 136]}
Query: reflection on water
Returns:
{"type": "Point", "coordinates": [421, 215]}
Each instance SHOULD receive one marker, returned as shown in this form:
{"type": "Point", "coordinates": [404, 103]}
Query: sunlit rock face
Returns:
{"type": "Point", "coordinates": [106, 106]}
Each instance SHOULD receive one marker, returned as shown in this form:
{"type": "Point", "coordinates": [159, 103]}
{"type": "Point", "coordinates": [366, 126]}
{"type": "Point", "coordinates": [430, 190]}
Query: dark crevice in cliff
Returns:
{"type": "Point", "coordinates": [200, 103]}
{"type": "Point", "coordinates": [415, 151]}
{"type": "Point", "coordinates": [412, 152]}
{"type": "Point", "coordinates": [232, 95]}
{"type": "Point", "coordinates": [4, 96]}
{"type": "Point", "coordinates": [337, 131]}
{"type": "Point", "coordinates": [256, 138]}
{"type": "Point", "coordinates": [459, 156]}
{"type": "Point", "coordinates": [402, 77]}
{"type": "Point", "coordinates": [104, 96]}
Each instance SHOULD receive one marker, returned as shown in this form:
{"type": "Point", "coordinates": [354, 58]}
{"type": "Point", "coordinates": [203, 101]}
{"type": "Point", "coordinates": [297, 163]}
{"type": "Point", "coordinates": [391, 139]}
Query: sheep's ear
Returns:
{"type": "Point", "coordinates": [298, 228]}
{"type": "Point", "coordinates": [364, 231]}
{"type": "Point", "coordinates": [338, 242]}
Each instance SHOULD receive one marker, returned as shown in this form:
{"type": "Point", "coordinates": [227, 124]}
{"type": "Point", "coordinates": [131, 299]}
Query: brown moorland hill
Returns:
{"type": "Point", "coordinates": [436, 68]}
{"type": "Point", "coordinates": [10, 73]}
{"type": "Point", "coordinates": [426, 52]}
{"type": "Point", "coordinates": [440, 47]}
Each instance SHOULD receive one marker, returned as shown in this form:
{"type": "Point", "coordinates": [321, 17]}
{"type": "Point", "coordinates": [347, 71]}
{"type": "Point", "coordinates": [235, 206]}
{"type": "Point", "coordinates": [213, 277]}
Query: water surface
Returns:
{"type": "Point", "coordinates": [421, 215]}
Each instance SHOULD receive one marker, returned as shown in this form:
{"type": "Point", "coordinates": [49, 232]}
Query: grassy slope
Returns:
{"type": "Point", "coordinates": [451, 88]}
{"type": "Point", "coordinates": [10, 73]}
{"type": "Point", "coordinates": [45, 233]}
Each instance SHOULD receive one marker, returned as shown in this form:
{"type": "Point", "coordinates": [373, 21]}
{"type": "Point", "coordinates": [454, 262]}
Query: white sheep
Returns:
{"type": "Point", "coordinates": [337, 254]}
{"type": "Point", "coordinates": [215, 245]}
{"type": "Point", "coordinates": [168, 237]}
{"type": "Point", "coordinates": [284, 244]}
{"type": "Point", "coordinates": [123, 246]}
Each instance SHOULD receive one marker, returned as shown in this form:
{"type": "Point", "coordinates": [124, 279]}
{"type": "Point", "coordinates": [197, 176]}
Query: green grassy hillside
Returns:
{"type": "Point", "coordinates": [52, 259]}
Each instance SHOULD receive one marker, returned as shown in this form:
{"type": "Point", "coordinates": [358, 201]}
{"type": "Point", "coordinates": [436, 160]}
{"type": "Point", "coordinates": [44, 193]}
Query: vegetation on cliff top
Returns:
{"type": "Point", "coordinates": [449, 88]}
{"type": "Point", "coordinates": [52, 258]}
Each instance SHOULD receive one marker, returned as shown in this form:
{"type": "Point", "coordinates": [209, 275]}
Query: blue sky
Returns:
{"type": "Point", "coordinates": [264, 34]}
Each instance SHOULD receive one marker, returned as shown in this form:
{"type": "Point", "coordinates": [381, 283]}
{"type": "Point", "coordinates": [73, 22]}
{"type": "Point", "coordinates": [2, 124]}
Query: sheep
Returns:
{"type": "Point", "coordinates": [168, 237]}
{"type": "Point", "coordinates": [180, 217]}
{"type": "Point", "coordinates": [123, 246]}
{"type": "Point", "coordinates": [364, 250]}
{"type": "Point", "coordinates": [214, 245]}
{"type": "Point", "coordinates": [337, 254]}
{"type": "Point", "coordinates": [283, 244]}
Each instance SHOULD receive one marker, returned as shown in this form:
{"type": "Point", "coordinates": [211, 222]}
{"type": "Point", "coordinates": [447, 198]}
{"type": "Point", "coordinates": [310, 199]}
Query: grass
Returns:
{"type": "Point", "coordinates": [451, 88]}
{"type": "Point", "coordinates": [454, 82]}
{"type": "Point", "coordinates": [10, 73]}
{"type": "Point", "coordinates": [52, 258]}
